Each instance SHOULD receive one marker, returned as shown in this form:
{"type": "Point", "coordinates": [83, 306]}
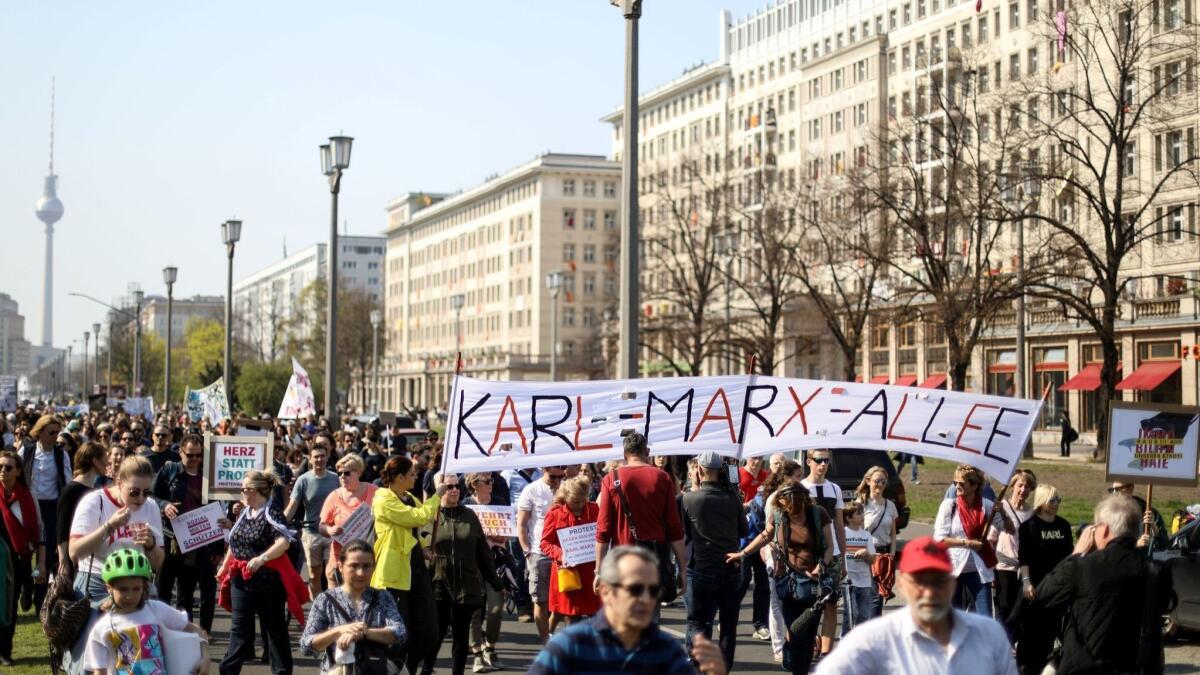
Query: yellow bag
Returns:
{"type": "Point", "coordinates": [568, 580]}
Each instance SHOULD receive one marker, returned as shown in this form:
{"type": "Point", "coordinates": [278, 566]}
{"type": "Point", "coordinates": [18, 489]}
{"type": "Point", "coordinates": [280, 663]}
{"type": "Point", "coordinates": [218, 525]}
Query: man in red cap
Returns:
{"type": "Point", "coordinates": [929, 636]}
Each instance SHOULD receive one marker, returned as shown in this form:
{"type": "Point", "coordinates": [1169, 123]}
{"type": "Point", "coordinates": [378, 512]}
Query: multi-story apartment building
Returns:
{"type": "Point", "coordinates": [14, 348]}
{"type": "Point", "coordinates": [806, 91]}
{"type": "Point", "coordinates": [467, 273]}
{"type": "Point", "coordinates": [183, 310]}
{"type": "Point", "coordinates": [266, 301]}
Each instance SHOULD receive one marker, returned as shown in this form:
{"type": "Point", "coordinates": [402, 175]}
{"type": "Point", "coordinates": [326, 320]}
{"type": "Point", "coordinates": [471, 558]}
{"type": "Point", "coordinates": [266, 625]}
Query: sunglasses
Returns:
{"type": "Point", "coordinates": [248, 490]}
{"type": "Point", "coordinates": [1055, 501]}
{"type": "Point", "coordinates": [161, 435]}
{"type": "Point", "coordinates": [452, 486]}
{"type": "Point", "coordinates": [638, 590]}
{"type": "Point", "coordinates": [193, 455]}
{"type": "Point", "coordinates": [819, 460]}
{"type": "Point", "coordinates": [7, 467]}
{"type": "Point", "coordinates": [344, 473]}
{"type": "Point", "coordinates": [964, 483]}
{"type": "Point", "coordinates": [136, 493]}
{"type": "Point", "coordinates": [1115, 490]}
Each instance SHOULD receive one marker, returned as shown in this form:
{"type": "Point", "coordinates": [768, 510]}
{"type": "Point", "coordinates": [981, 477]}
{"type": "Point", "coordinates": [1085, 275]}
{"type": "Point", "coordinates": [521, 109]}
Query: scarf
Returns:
{"type": "Point", "coordinates": [293, 586]}
{"type": "Point", "coordinates": [266, 513]}
{"type": "Point", "coordinates": [24, 533]}
{"type": "Point", "coordinates": [972, 518]}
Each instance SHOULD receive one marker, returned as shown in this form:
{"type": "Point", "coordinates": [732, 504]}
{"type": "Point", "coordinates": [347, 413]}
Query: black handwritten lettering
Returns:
{"type": "Point", "coordinates": [462, 424]}
{"type": "Point", "coordinates": [747, 410]}
{"type": "Point", "coordinates": [690, 395]}
{"type": "Point", "coordinates": [545, 428]}
{"type": "Point", "coordinates": [996, 432]}
{"type": "Point", "coordinates": [881, 414]}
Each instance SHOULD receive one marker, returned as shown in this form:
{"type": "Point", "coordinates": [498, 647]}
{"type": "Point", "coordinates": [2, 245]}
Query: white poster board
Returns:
{"type": "Point", "coordinates": [578, 544]}
{"type": "Point", "coordinates": [198, 526]}
{"type": "Point", "coordinates": [359, 525]}
{"type": "Point", "coordinates": [227, 459]}
{"type": "Point", "coordinates": [1153, 444]}
{"type": "Point", "coordinates": [497, 521]}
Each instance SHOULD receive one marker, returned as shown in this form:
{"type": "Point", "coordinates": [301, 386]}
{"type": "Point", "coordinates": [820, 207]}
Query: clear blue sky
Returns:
{"type": "Point", "coordinates": [173, 117]}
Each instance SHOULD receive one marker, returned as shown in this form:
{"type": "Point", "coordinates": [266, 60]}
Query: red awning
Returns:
{"type": "Point", "coordinates": [1149, 375]}
{"type": "Point", "coordinates": [934, 382]}
{"type": "Point", "coordinates": [1087, 379]}
{"type": "Point", "coordinates": [858, 378]}
{"type": "Point", "coordinates": [880, 379]}
{"type": "Point", "coordinates": [905, 381]}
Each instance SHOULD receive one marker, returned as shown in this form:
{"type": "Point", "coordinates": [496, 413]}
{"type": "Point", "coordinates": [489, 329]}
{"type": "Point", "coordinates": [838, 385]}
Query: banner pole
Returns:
{"type": "Point", "coordinates": [458, 363]}
{"type": "Point", "coordinates": [751, 379]}
{"type": "Point", "coordinates": [1147, 527]}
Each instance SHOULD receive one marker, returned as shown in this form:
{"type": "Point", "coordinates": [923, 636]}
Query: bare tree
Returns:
{"type": "Point", "coordinates": [1115, 118]}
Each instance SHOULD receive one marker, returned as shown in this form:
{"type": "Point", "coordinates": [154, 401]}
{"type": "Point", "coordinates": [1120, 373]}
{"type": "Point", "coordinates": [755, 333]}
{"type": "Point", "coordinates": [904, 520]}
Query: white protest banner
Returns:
{"type": "Point", "coordinates": [139, 405]}
{"type": "Point", "coordinates": [298, 400]}
{"type": "Point", "coordinates": [198, 526]}
{"type": "Point", "coordinates": [228, 458]}
{"type": "Point", "coordinates": [497, 521]}
{"type": "Point", "coordinates": [209, 402]}
{"type": "Point", "coordinates": [499, 425]}
{"type": "Point", "coordinates": [578, 544]}
{"type": "Point", "coordinates": [1153, 444]}
{"type": "Point", "coordinates": [8, 392]}
{"type": "Point", "coordinates": [358, 526]}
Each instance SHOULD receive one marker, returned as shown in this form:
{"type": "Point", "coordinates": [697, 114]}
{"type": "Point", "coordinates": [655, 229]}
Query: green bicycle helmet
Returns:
{"type": "Point", "coordinates": [126, 562]}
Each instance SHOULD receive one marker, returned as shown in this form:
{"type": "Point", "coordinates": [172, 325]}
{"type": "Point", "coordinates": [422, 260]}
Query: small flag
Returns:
{"type": "Point", "coordinates": [978, 5]}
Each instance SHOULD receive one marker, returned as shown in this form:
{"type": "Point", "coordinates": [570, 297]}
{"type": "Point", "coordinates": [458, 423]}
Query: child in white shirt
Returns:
{"type": "Point", "coordinates": [860, 586]}
{"type": "Point", "coordinates": [127, 638]}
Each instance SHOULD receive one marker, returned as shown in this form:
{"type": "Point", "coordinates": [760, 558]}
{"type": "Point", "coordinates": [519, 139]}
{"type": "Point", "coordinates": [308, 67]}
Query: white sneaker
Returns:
{"type": "Point", "coordinates": [761, 634]}
{"type": "Point", "coordinates": [479, 666]}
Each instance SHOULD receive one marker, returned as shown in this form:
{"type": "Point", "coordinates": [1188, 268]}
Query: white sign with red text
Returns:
{"type": "Point", "coordinates": [198, 526]}
{"type": "Point", "coordinates": [227, 460]}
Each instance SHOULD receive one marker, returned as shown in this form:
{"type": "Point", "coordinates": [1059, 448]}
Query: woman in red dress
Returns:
{"type": "Point", "coordinates": [571, 508]}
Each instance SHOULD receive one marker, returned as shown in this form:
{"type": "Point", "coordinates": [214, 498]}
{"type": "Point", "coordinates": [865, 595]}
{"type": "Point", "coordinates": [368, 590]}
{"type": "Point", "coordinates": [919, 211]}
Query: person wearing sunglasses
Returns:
{"type": "Point", "coordinates": [828, 495]}
{"type": "Point", "coordinates": [961, 524]}
{"type": "Point", "coordinates": [123, 515]}
{"type": "Point", "coordinates": [178, 489]}
{"type": "Point", "coordinates": [1045, 542]}
{"type": "Point", "coordinates": [462, 565]}
{"type": "Point", "coordinates": [485, 625]}
{"type": "Point", "coordinates": [352, 493]}
{"type": "Point", "coordinates": [535, 502]}
{"type": "Point", "coordinates": [22, 534]}
{"type": "Point", "coordinates": [46, 465]}
{"type": "Point", "coordinates": [1150, 517]}
{"type": "Point", "coordinates": [624, 636]}
{"type": "Point", "coordinates": [161, 452]}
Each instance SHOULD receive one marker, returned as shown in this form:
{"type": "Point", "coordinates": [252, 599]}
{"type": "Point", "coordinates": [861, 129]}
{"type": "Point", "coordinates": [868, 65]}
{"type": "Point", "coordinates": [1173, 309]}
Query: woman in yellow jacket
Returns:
{"type": "Point", "coordinates": [400, 564]}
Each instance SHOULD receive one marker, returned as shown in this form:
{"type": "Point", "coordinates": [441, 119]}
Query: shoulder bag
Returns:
{"type": "Point", "coordinates": [65, 611]}
{"type": "Point", "coordinates": [666, 570]}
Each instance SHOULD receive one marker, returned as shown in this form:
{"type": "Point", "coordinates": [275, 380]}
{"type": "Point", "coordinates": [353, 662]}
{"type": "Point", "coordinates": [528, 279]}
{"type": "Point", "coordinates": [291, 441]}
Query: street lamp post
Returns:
{"type": "Point", "coordinates": [554, 282]}
{"type": "Point", "coordinates": [231, 232]}
{"type": "Point", "coordinates": [728, 243]}
{"type": "Point", "coordinates": [66, 380]}
{"type": "Point", "coordinates": [1030, 189]}
{"type": "Point", "coordinates": [108, 369]}
{"type": "Point", "coordinates": [137, 342]}
{"type": "Point", "coordinates": [169, 275]}
{"type": "Point", "coordinates": [96, 357]}
{"type": "Point", "coordinates": [627, 365]}
{"type": "Point", "coordinates": [335, 158]}
{"type": "Point", "coordinates": [376, 317]}
{"type": "Point", "coordinates": [86, 336]}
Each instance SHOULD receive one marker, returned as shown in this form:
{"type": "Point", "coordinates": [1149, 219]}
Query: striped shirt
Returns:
{"type": "Point", "coordinates": [592, 647]}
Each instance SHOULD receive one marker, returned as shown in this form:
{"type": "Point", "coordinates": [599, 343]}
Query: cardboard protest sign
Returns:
{"type": "Point", "coordinates": [298, 400]}
{"type": "Point", "coordinates": [1152, 443]}
{"type": "Point", "coordinates": [228, 458]}
{"type": "Point", "coordinates": [497, 521]}
{"type": "Point", "coordinates": [499, 425]}
{"type": "Point", "coordinates": [8, 393]}
{"type": "Point", "coordinates": [198, 526]}
{"type": "Point", "coordinates": [209, 402]}
{"type": "Point", "coordinates": [359, 525]}
{"type": "Point", "coordinates": [578, 544]}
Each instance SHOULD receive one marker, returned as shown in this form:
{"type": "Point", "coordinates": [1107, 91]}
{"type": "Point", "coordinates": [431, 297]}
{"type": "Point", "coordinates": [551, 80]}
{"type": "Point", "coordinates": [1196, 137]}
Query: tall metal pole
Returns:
{"type": "Point", "coordinates": [137, 344]}
{"type": "Point", "coordinates": [169, 276]}
{"type": "Point", "coordinates": [375, 365]}
{"type": "Point", "coordinates": [554, 335]}
{"type": "Point", "coordinates": [108, 369]}
{"type": "Point", "coordinates": [627, 364]}
{"type": "Point", "coordinates": [96, 357]}
{"type": "Point", "coordinates": [227, 372]}
{"type": "Point", "coordinates": [86, 336]}
{"type": "Point", "coordinates": [330, 323]}
{"type": "Point", "coordinates": [67, 385]}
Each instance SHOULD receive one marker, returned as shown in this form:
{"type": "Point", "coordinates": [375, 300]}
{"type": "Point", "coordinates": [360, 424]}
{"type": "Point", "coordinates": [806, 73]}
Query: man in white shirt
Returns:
{"type": "Point", "coordinates": [47, 470]}
{"type": "Point", "coordinates": [929, 636]}
{"type": "Point", "coordinates": [536, 499]}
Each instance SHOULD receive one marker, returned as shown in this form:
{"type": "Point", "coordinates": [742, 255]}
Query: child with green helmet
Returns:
{"type": "Point", "coordinates": [128, 637]}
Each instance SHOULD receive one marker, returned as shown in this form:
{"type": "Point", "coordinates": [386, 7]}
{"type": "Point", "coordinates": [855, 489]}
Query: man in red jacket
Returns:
{"type": "Point", "coordinates": [641, 510]}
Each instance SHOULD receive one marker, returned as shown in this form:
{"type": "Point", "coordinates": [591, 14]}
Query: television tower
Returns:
{"type": "Point", "coordinates": [49, 211]}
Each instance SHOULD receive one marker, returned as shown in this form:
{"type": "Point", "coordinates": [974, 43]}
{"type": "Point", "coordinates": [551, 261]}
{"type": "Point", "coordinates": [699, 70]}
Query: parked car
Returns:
{"type": "Point", "coordinates": [1183, 559]}
{"type": "Point", "coordinates": [848, 466]}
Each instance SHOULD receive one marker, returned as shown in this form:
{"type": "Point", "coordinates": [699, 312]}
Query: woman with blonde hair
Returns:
{"type": "Point", "coordinates": [1045, 542]}
{"type": "Point", "coordinates": [571, 594]}
{"type": "Point", "coordinates": [485, 625]}
{"type": "Point", "coordinates": [352, 493]}
{"type": "Point", "coordinates": [1015, 509]}
{"type": "Point", "coordinates": [960, 526]}
{"type": "Point", "coordinates": [879, 519]}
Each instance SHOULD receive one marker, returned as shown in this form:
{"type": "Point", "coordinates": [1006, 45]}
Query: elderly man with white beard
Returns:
{"type": "Point", "coordinates": [930, 636]}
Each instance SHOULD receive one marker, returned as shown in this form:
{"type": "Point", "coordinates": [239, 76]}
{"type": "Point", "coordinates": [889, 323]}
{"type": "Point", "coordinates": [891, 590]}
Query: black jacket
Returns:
{"type": "Point", "coordinates": [1105, 595]}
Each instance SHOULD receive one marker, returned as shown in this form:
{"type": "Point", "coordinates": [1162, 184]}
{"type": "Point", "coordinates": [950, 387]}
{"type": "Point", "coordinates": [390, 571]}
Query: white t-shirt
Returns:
{"type": "Point", "coordinates": [881, 516]}
{"type": "Point", "coordinates": [95, 509]}
{"type": "Point", "coordinates": [537, 498]}
{"type": "Point", "coordinates": [858, 571]}
{"type": "Point", "coordinates": [131, 644]}
{"type": "Point", "coordinates": [822, 493]}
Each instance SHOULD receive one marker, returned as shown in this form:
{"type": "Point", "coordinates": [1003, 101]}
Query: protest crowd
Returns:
{"type": "Point", "coordinates": [588, 553]}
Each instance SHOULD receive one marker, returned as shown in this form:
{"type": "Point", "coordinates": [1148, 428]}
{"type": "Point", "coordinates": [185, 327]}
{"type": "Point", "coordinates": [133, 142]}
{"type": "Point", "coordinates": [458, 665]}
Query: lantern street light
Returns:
{"type": "Point", "coordinates": [554, 282]}
{"type": "Point", "coordinates": [335, 158]}
{"type": "Point", "coordinates": [86, 335]}
{"type": "Point", "coordinates": [456, 303]}
{"type": "Point", "coordinates": [376, 318]}
{"type": "Point", "coordinates": [96, 357]}
{"type": "Point", "coordinates": [169, 275]}
{"type": "Point", "coordinates": [231, 232]}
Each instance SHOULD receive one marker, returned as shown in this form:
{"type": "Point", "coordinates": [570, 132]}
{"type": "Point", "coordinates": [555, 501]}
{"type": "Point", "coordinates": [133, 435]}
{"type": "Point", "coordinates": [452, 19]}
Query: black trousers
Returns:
{"type": "Point", "coordinates": [22, 566]}
{"type": "Point", "coordinates": [49, 512]}
{"type": "Point", "coordinates": [199, 570]}
{"type": "Point", "coordinates": [754, 569]}
{"type": "Point", "coordinates": [1007, 588]}
{"type": "Point", "coordinates": [455, 617]}
{"type": "Point", "coordinates": [169, 572]}
{"type": "Point", "coordinates": [417, 608]}
{"type": "Point", "coordinates": [270, 603]}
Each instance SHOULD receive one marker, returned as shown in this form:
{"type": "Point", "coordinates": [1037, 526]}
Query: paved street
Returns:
{"type": "Point", "coordinates": [519, 645]}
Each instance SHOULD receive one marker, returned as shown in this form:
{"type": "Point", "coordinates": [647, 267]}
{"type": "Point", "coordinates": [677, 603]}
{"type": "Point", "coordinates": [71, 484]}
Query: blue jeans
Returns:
{"type": "Point", "coordinates": [859, 606]}
{"type": "Point", "coordinates": [972, 594]}
{"type": "Point", "coordinates": [707, 594]}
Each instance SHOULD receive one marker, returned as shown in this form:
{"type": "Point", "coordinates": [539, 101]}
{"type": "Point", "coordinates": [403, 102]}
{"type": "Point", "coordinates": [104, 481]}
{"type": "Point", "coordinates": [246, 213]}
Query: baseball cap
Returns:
{"type": "Point", "coordinates": [710, 460]}
{"type": "Point", "coordinates": [925, 554]}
